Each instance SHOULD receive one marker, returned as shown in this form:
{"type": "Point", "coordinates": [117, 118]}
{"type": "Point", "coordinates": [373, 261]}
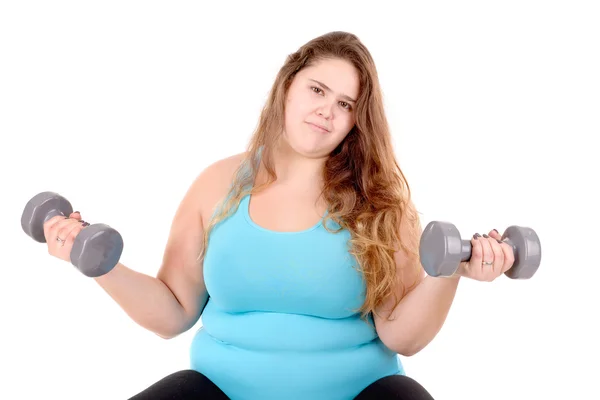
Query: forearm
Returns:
{"type": "Point", "coordinates": [420, 315]}
{"type": "Point", "coordinates": [146, 299]}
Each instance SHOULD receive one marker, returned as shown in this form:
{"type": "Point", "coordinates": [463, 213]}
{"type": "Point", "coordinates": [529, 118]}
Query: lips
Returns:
{"type": "Point", "coordinates": [319, 128]}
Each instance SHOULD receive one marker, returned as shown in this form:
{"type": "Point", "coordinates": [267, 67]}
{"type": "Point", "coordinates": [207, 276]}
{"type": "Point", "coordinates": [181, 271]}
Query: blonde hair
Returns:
{"type": "Point", "coordinates": [365, 189]}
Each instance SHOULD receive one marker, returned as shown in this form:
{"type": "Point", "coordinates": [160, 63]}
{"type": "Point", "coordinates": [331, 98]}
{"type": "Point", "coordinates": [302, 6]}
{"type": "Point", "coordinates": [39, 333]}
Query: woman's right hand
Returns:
{"type": "Point", "coordinates": [60, 233]}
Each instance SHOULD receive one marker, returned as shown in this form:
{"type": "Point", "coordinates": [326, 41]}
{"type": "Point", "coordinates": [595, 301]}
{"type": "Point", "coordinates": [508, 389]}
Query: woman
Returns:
{"type": "Point", "coordinates": [308, 246]}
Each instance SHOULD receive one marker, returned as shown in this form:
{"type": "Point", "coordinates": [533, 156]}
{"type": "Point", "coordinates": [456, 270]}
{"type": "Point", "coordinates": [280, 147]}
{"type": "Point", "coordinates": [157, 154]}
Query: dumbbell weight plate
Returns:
{"type": "Point", "coordinates": [527, 250]}
{"type": "Point", "coordinates": [441, 248]}
{"type": "Point", "coordinates": [40, 209]}
{"type": "Point", "coordinates": [96, 250]}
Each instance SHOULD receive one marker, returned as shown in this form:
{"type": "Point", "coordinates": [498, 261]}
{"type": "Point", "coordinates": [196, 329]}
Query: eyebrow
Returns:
{"type": "Point", "coordinates": [327, 88]}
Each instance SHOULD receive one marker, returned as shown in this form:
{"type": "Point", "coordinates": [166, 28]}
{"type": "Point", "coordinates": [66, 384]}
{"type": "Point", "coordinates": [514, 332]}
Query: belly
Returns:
{"type": "Point", "coordinates": [266, 356]}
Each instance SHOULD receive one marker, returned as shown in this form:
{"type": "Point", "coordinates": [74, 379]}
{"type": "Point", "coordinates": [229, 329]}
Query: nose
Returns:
{"type": "Point", "coordinates": [325, 111]}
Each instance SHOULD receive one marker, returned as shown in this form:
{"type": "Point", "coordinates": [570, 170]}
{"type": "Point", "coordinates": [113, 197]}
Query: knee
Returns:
{"type": "Point", "coordinates": [398, 380]}
{"type": "Point", "coordinates": [396, 387]}
{"type": "Point", "coordinates": [186, 376]}
{"type": "Point", "coordinates": [403, 382]}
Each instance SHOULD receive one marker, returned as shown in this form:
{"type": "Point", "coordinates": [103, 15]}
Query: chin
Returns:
{"type": "Point", "coordinates": [308, 148]}
{"type": "Point", "coordinates": [308, 151]}
{"type": "Point", "coordinates": [315, 153]}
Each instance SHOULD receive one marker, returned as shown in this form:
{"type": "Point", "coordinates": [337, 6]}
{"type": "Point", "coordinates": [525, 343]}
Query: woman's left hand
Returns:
{"type": "Point", "coordinates": [490, 258]}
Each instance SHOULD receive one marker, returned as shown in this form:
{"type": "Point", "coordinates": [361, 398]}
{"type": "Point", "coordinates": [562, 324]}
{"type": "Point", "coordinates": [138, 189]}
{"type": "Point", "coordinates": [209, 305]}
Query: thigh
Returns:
{"type": "Point", "coordinates": [394, 387]}
{"type": "Point", "coordinates": [186, 384]}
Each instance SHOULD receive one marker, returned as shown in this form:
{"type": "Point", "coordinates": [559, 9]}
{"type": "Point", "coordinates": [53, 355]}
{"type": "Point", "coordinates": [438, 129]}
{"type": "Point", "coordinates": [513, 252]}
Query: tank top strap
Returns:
{"type": "Point", "coordinates": [244, 206]}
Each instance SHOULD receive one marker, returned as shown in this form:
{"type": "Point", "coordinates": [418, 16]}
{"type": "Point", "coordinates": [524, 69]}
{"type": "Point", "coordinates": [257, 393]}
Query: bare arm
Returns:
{"type": "Point", "coordinates": [170, 303]}
{"type": "Point", "coordinates": [420, 315]}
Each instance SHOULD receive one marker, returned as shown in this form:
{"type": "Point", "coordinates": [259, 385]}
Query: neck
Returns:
{"type": "Point", "coordinates": [295, 169]}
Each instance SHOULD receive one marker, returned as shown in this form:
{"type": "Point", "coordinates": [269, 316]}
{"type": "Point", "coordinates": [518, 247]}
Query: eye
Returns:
{"type": "Point", "coordinates": [316, 89]}
{"type": "Point", "coordinates": [345, 105]}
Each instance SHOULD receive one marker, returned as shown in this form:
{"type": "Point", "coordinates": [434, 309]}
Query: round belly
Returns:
{"type": "Point", "coordinates": [286, 356]}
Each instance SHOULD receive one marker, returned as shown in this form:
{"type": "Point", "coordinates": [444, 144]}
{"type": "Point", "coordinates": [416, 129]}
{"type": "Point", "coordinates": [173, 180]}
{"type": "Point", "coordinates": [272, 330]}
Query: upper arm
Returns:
{"type": "Point", "coordinates": [181, 269]}
{"type": "Point", "coordinates": [408, 266]}
{"type": "Point", "coordinates": [409, 272]}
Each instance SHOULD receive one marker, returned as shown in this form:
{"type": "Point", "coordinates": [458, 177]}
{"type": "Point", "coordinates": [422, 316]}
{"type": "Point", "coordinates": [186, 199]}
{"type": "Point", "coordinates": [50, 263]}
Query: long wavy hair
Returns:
{"type": "Point", "coordinates": [364, 188]}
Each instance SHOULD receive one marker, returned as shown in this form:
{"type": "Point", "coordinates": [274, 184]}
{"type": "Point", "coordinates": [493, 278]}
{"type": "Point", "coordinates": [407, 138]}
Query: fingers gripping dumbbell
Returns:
{"type": "Point", "coordinates": [442, 250]}
{"type": "Point", "coordinates": [97, 248]}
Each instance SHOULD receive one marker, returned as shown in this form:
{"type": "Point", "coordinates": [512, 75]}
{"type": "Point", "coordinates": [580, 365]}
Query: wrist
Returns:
{"type": "Point", "coordinates": [460, 271]}
{"type": "Point", "coordinates": [454, 277]}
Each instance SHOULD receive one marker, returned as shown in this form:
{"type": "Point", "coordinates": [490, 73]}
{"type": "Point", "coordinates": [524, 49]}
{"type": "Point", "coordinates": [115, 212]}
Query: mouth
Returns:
{"type": "Point", "coordinates": [318, 128]}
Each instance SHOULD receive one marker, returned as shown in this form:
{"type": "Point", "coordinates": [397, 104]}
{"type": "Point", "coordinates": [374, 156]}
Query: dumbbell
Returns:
{"type": "Point", "coordinates": [97, 248]}
{"type": "Point", "coordinates": [442, 250]}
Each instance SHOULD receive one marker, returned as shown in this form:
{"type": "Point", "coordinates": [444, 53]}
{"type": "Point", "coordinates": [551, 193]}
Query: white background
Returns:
{"type": "Point", "coordinates": [117, 106]}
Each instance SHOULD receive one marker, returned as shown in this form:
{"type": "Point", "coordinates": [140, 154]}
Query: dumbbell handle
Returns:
{"type": "Point", "coordinates": [52, 214]}
{"type": "Point", "coordinates": [467, 249]}
{"type": "Point", "coordinates": [55, 213]}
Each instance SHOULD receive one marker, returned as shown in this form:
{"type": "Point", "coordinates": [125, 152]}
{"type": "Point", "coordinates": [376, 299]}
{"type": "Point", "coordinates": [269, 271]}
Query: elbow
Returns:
{"type": "Point", "coordinates": [166, 336]}
{"type": "Point", "coordinates": [405, 349]}
{"type": "Point", "coordinates": [170, 333]}
{"type": "Point", "coordinates": [403, 341]}
{"type": "Point", "coordinates": [166, 333]}
{"type": "Point", "coordinates": [408, 351]}
{"type": "Point", "coordinates": [174, 331]}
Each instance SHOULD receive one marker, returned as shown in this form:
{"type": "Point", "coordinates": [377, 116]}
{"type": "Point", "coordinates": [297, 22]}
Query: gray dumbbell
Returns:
{"type": "Point", "coordinates": [442, 250]}
{"type": "Point", "coordinates": [97, 248]}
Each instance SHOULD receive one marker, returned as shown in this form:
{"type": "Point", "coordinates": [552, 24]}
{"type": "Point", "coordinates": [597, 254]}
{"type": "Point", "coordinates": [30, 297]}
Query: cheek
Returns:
{"type": "Point", "coordinates": [347, 123]}
{"type": "Point", "coordinates": [296, 114]}
{"type": "Point", "coordinates": [292, 105]}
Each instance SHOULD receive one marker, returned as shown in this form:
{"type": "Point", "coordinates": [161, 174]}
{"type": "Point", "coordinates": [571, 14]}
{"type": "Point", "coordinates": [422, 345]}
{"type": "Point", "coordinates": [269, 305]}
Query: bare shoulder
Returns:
{"type": "Point", "coordinates": [214, 181]}
{"type": "Point", "coordinates": [181, 269]}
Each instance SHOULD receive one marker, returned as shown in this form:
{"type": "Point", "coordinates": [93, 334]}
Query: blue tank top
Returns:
{"type": "Point", "coordinates": [280, 321]}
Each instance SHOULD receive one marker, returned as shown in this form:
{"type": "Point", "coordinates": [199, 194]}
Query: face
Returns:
{"type": "Point", "coordinates": [320, 107]}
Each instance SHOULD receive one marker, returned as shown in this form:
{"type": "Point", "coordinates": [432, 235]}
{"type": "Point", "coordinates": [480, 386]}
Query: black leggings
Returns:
{"type": "Point", "coordinates": [189, 384]}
